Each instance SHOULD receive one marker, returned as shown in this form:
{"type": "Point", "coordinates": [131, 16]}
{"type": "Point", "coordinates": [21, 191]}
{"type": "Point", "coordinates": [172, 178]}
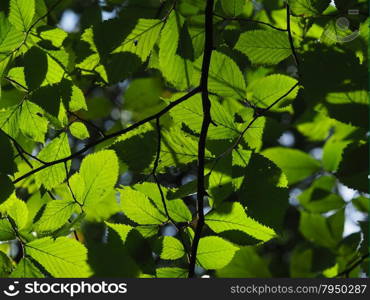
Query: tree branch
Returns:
{"type": "Point", "coordinates": [290, 35]}
{"type": "Point", "coordinates": [347, 271]}
{"type": "Point", "coordinates": [206, 104]}
{"type": "Point", "coordinates": [16, 83]}
{"type": "Point", "coordinates": [110, 136]}
{"type": "Point", "coordinates": [23, 152]}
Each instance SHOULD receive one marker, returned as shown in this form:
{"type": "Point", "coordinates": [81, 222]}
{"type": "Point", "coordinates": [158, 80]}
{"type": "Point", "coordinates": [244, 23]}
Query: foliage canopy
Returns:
{"type": "Point", "coordinates": [157, 136]}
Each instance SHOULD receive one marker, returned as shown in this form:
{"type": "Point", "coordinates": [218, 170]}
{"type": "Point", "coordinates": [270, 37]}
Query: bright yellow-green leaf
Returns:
{"type": "Point", "coordinates": [214, 252]}
{"type": "Point", "coordinates": [62, 257]}
{"type": "Point", "coordinates": [79, 130]}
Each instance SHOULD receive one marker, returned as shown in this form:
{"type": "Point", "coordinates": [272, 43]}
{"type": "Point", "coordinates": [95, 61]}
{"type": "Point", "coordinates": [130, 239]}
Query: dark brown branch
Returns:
{"type": "Point", "coordinates": [110, 136]}
{"type": "Point", "coordinates": [347, 271]}
{"type": "Point", "coordinates": [206, 105]}
{"type": "Point", "coordinates": [291, 42]}
{"type": "Point", "coordinates": [249, 20]}
{"type": "Point", "coordinates": [23, 152]}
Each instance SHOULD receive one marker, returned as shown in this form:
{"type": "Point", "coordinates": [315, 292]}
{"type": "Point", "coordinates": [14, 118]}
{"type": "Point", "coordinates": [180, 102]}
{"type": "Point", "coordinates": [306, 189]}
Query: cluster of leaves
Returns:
{"type": "Point", "coordinates": [146, 144]}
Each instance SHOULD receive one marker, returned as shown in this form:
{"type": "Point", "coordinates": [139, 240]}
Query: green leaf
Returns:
{"type": "Point", "coordinates": [52, 176]}
{"type": "Point", "coordinates": [190, 113]}
{"type": "Point", "coordinates": [79, 130]}
{"type": "Point", "coordinates": [137, 148]}
{"type": "Point", "coordinates": [142, 97]}
{"type": "Point", "coordinates": [35, 67]}
{"type": "Point", "coordinates": [246, 263]}
{"type": "Point", "coordinates": [55, 35]}
{"type": "Point", "coordinates": [26, 269]}
{"type": "Point", "coordinates": [332, 153]}
{"type": "Point", "coordinates": [233, 7]}
{"type": "Point", "coordinates": [48, 98]}
{"type": "Point", "coordinates": [55, 215]}
{"type": "Point", "coordinates": [178, 149]}
{"type": "Point", "coordinates": [32, 122]}
{"type": "Point", "coordinates": [72, 97]}
{"type": "Point", "coordinates": [214, 252]}
{"type": "Point", "coordinates": [264, 47]}
{"type": "Point", "coordinates": [17, 210]}
{"type": "Point", "coordinates": [263, 186]}
{"type": "Point", "coordinates": [168, 272]}
{"type": "Point", "coordinates": [6, 187]}
{"type": "Point", "coordinates": [175, 69]}
{"type": "Point", "coordinates": [110, 258]}
{"type": "Point", "coordinates": [21, 13]}
{"type": "Point", "coordinates": [17, 75]}
{"type": "Point", "coordinates": [225, 77]}
{"type": "Point", "coordinates": [6, 230]}
{"type": "Point", "coordinates": [344, 106]}
{"type": "Point", "coordinates": [231, 216]}
{"type": "Point", "coordinates": [362, 204]}
{"type": "Point", "coordinates": [353, 169]}
{"type": "Point", "coordinates": [308, 8]}
{"type": "Point", "coordinates": [99, 172]}
{"type": "Point", "coordinates": [316, 228]}
{"type": "Point", "coordinates": [62, 257]}
{"type": "Point", "coordinates": [137, 247]}
{"type": "Point", "coordinates": [122, 229]}
{"type": "Point", "coordinates": [220, 180]}
{"type": "Point", "coordinates": [295, 164]}
{"type": "Point", "coordinates": [142, 38]}
{"type": "Point", "coordinates": [278, 85]}
{"type": "Point", "coordinates": [177, 209]}
{"type": "Point", "coordinates": [10, 37]}
{"type": "Point", "coordinates": [138, 208]}
{"type": "Point", "coordinates": [170, 248]}
{"type": "Point", "coordinates": [5, 265]}
{"type": "Point", "coordinates": [319, 197]}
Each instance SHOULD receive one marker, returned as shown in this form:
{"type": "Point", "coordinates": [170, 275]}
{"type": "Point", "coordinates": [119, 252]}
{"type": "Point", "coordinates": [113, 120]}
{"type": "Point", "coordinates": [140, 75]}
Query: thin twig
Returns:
{"type": "Point", "coordinates": [21, 154]}
{"type": "Point", "coordinates": [207, 120]}
{"type": "Point", "coordinates": [347, 271]}
{"type": "Point", "coordinates": [21, 151]}
{"type": "Point", "coordinates": [154, 171]}
{"type": "Point", "coordinates": [16, 83]}
{"type": "Point", "coordinates": [261, 113]}
{"type": "Point", "coordinates": [91, 124]}
{"type": "Point", "coordinates": [54, 6]}
{"type": "Point", "coordinates": [69, 186]}
{"type": "Point", "coordinates": [110, 136]}
{"type": "Point", "coordinates": [291, 42]}
{"type": "Point", "coordinates": [17, 235]}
